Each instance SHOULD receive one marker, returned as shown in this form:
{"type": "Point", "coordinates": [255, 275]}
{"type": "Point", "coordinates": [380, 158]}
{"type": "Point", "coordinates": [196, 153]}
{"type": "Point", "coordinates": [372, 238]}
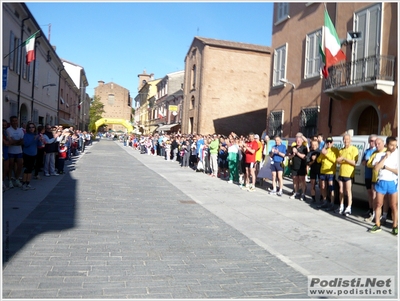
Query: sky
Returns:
{"type": "Point", "coordinates": [116, 41]}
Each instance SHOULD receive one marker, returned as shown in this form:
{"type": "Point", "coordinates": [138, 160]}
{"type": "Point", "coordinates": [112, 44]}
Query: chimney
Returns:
{"type": "Point", "coordinates": [101, 82]}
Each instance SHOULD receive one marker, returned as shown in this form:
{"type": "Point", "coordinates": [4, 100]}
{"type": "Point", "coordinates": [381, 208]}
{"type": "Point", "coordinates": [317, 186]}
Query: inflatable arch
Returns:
{"type": "Point", "coordinates": [123, 122]}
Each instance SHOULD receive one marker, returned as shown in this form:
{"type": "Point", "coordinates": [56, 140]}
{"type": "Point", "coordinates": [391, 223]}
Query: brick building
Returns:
{"type": "Point", "coordinates": [360, 94]}
{"type": "Point", "coordinates": [226, 87]}
{"type": "Point", "coordinates": [117, 103]}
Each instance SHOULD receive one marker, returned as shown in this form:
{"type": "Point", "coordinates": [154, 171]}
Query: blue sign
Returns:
{"type": "Point", "coordinates": [5, 77]}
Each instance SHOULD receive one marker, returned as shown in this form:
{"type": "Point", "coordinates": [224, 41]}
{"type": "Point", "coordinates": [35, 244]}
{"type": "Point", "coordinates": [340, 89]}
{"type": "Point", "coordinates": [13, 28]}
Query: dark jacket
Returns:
{"type": "Point", "coordinates": [51, 147]}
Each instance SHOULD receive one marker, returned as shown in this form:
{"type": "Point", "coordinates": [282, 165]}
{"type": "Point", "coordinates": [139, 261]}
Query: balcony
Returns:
{"type": "Point", "coordinates": [374, 74]}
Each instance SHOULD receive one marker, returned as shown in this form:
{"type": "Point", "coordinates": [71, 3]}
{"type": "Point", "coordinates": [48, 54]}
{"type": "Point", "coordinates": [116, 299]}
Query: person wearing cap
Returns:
{"type": "Point", "coordinates": [299, 167]}
{"type": "Point", "coordinates": [347, 159]}
{"type": "Point", "coordinates": [327, 158]}
{"type": "Point", "coordinates": [369, 216]}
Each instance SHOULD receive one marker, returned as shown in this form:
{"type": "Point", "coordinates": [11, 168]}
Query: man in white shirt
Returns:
{"type": "Point", "coordinates": [387, 184]}
{"type": "Point", "coordinates": [16, 139]}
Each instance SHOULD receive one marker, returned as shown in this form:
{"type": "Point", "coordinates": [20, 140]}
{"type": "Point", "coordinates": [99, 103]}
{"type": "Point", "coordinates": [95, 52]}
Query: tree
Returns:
{"type": "Point", "coordinates": [95, 112]}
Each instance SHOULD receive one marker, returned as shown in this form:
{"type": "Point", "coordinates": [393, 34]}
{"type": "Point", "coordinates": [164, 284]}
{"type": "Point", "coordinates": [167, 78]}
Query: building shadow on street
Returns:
{"type": "Point", "coordinates": [54, 213]}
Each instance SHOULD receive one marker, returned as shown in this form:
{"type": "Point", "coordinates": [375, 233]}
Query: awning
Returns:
{"type": "Point", "coordinates": [166, 127]}
{"type": "Point", "coordinates": [65, 122]}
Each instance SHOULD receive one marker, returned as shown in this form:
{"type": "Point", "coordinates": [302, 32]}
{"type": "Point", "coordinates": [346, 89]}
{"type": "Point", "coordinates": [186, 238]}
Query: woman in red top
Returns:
{"type": "Point", "coordinates": [249, 148]}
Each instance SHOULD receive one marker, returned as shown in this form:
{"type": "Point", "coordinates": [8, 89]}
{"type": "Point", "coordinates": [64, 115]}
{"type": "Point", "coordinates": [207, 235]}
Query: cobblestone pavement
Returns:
{"type": "Point", "coordinates": [114, 228]}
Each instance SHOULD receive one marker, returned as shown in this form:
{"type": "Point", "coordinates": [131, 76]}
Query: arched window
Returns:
{"type": "Point", "coordinates": [192, 100]}
{"type": "Point", "coordinates": [193, 77]}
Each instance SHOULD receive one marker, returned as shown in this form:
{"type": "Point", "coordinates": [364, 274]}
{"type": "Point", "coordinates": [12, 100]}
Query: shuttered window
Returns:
{"type": "Point", "coordinates": [313, 56]}
{"type": "Point", "coordinates": [279, 65]}
{"type": "Point", "coordinates": [368, 22]}
{"type": "Point", "coordinates": [283, 11]}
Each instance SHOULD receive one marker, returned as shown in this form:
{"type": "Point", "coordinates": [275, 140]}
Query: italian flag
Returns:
{"type": "Point", "coordinates": [30, 49]}
{"type": "Point", "coordinates": [330, 48]}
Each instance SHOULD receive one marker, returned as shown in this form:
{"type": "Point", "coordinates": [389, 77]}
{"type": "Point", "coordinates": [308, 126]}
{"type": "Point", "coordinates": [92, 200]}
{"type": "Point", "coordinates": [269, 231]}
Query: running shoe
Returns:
{"type": "Point", "coordinates": [395, 231]}
{"type": "Point", "coordinates": [29, 187]}
{"type": "Point", "coordinates": [347, 212]}
{"type": "Point", "coordinates": [375, 229]}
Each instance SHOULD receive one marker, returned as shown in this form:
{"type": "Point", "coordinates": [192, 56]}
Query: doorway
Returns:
{"type": "Point", "coordinates": [368, 122]}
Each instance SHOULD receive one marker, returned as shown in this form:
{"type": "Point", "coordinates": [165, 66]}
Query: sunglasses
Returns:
{"type": "Point", "coordinates": [32, 127]}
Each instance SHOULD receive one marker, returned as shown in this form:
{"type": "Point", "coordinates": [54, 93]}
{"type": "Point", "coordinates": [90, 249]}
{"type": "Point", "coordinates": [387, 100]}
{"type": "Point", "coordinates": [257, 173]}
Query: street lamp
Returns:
{"type": "Point", "coordinates": [49, 85]}
{"type": "Point", "coordinates": [285, 81]}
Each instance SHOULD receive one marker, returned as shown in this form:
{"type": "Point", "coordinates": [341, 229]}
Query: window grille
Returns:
{"type": "Point", "coordinates": [309, 121]}
{"type": "Point", "coordinates": [275, 124]}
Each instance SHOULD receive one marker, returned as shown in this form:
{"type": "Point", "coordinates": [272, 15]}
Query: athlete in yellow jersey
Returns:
{"type": "Point", "coordinates": [327, 158]}
{"type": "Point", "coordinates": [347, 159]}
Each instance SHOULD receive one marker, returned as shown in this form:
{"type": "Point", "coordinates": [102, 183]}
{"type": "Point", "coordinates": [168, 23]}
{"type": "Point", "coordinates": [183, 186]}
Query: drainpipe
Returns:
{"type": "Point", "coordinates": [58, 95]}
{"type": "Point", "coordinates": [330, 115]}
{"type": "Point", "coordinates": [20, 68]}
{"type": "Point", "coordinates": [33, 86]}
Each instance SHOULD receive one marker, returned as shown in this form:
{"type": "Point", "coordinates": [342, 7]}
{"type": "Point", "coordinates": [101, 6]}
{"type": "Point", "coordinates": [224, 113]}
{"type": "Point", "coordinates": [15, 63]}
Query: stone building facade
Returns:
{"type": "Point", "coordinates": [117, 103]}
{"type": "Point", "coordinates": [360, 93]}
{"type": "Point", "coordinates": [226, 87]}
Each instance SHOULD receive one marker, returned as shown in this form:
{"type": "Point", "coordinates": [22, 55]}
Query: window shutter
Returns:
{"type": "Point", "coordinates": [374, 29]}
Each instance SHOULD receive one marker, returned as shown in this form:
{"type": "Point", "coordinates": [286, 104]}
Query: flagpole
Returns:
{"type": "Point", "coordinates": [23, 43]}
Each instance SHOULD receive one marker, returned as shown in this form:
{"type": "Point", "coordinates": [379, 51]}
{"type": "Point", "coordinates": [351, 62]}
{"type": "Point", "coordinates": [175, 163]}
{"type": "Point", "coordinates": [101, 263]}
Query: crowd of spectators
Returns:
{"type": "Point", "coordinates": [239, 160]}
{"type": "Point", "coordinates": [37, 150]}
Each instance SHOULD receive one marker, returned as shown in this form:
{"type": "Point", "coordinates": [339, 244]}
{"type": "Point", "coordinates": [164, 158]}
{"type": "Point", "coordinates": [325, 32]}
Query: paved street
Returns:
{"type": "Point", "coordinates": [126, 225]}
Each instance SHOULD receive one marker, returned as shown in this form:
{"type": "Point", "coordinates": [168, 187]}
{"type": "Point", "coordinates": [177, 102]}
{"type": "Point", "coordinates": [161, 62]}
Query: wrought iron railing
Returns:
{"type": "Point", "coordinates": [363, 70]}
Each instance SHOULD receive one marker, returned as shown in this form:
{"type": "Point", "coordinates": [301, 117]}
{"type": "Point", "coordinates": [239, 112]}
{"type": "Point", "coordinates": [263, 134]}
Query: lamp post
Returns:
{"type": "Point", "coordinates": [285, 81]}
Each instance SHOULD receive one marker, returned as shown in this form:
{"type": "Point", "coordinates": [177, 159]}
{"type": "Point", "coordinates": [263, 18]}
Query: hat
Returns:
{"type": "Point", "coordinates": [256, 136]}
{"type": "Point", "coordinates": [329, 139]}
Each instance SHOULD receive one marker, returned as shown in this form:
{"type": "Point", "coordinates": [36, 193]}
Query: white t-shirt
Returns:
{"type": "Point", "coordinates": [15, 134]}
{"type": "Point", "coordinates": [392, 162]}
{"type": "Point", "coordinates": [234, 148]}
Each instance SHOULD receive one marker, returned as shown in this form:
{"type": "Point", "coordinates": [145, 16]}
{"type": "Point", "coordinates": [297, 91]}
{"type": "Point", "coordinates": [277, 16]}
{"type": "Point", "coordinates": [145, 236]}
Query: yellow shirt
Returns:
{"type": "Point", "coordinates": [259, 152]}
{"type": "Point", "coordinates": [350, 153]}
{"type": "Point", "coordinates": [371, 163]}
{"type": "Point", "coordinates": [328, 161]}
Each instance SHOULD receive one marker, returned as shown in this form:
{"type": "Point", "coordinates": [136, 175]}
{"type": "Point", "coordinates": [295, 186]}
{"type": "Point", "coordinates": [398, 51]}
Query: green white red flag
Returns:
{"type": "Point", "coordinates": [30, 49]}
{"type": "Point", "coordinates": [330, 48]}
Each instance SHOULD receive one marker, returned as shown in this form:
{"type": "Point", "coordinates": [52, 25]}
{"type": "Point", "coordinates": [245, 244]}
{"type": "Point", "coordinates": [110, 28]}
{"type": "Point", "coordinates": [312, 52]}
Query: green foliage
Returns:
{"type": "Point", "coordinates": [95, 112]}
